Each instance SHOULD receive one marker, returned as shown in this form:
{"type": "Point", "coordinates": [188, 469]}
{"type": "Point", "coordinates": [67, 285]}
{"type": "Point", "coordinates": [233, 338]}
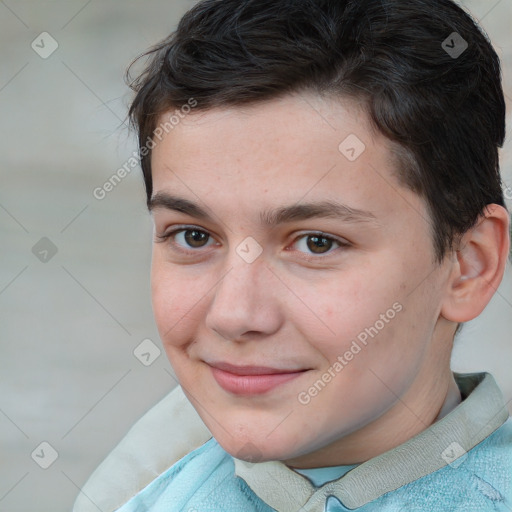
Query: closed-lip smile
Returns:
{"type": "Point", "coordinates": [250, 379]}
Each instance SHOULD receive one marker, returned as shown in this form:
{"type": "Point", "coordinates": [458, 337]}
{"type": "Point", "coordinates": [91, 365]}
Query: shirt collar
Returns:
{"type": "Point", "coordinates": [475, 418]}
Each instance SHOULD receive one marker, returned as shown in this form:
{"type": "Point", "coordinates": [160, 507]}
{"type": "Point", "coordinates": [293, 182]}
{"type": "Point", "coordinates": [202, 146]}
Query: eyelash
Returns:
{"type": "Point", "coordinates": [166, 236]}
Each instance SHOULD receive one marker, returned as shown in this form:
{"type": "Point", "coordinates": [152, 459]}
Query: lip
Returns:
{"type": "Point", "coordinates": [251, 380]}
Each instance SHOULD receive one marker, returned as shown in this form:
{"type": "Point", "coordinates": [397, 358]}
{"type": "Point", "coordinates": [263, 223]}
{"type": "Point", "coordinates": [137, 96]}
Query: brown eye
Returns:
{"type": "Point", "coordinates": [319, 244]}
{"type": "Point", "coordinates": [195, 238]}
{"type": "Point", "coordinates": [186, 239]}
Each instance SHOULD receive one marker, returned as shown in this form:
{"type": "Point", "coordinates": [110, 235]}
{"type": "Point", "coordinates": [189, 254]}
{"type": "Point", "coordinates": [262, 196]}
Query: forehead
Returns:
{"type": "Point", "coordinates": [291, 149]}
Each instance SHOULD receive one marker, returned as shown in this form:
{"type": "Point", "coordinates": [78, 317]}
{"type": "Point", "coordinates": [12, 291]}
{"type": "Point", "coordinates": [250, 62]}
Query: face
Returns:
{"type": "Point", "coordinates": [293, 277]}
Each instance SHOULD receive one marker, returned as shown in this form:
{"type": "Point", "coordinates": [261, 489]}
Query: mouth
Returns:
{"type": "Point", "coordinates": [251, 380]}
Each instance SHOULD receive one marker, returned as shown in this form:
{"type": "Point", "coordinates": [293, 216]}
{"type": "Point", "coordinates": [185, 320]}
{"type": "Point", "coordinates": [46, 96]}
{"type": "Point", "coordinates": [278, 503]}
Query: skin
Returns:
{"type": "Point", "coordinates": [299, 305]}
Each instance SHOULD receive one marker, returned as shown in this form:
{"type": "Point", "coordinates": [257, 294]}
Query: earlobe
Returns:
{"type": "Point", "coordinates": [479, 265]}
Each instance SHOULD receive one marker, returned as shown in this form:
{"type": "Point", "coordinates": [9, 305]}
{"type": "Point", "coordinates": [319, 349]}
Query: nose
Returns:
{"type": "Point", "coordinates": [245, 302]}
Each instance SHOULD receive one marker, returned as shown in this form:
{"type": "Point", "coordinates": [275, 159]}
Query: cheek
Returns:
{"type": "Point", "coordinates": [176, 304]}
{"type": "Point", "coordinates": [369, 319]}
{"type": "Point", "coordinates": [343, 307]}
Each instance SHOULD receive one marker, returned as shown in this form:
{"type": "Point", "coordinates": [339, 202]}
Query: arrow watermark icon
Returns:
{"type": "Point", "coordinates": [44, 250]}
{"type": "Point", "coordinates": [147, 352]}
{"type": "Point", "coordinates": [44, 45]}
{"type": "Point", "coordinates": [454, 45]}
{"type": "Point", "coordinates": [44, 455]}
{"type": "Point", "coordinates": [352, 147]}
{"type": "Point", "coordinates": [249, 249]}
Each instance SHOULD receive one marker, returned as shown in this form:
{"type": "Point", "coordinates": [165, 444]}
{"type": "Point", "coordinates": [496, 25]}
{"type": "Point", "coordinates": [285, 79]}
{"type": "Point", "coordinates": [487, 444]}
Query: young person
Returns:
{"type": "Point", "coordinates": [324, 181]}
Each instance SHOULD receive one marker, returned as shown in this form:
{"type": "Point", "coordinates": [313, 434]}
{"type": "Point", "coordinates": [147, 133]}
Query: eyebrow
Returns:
{"type": "Point", "coordinates": [272, 217]}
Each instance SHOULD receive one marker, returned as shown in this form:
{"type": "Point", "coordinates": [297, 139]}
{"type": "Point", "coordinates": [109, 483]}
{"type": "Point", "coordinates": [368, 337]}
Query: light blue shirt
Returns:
{"type": "Point", "coordinates": [320, 476]}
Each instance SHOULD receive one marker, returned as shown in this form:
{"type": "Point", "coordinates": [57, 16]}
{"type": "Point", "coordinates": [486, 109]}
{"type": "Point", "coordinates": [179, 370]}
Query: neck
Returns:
{"type": "Point", "coordinates": [453, 398]}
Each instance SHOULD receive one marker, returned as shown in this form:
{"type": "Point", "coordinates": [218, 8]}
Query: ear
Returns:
{"type": "Point", "coordinates": [478, 266]}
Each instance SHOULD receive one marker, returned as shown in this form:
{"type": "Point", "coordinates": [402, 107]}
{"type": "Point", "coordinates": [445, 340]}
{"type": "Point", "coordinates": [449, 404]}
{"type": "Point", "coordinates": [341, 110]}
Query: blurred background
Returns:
{"type": "Point", "coordinates": [80, 357]}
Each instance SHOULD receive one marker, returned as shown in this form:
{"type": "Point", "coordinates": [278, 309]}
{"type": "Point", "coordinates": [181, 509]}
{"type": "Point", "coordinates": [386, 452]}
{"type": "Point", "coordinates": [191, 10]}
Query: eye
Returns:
{"type": "Point", "coordinates": [186, 239]}
{"type": "Point", "coordinates": [318, 243]}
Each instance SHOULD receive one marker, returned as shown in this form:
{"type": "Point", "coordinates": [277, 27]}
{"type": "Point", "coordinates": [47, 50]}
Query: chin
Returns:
{"type": "Point", "coordinates": [250, 452]}
{"type": "Point", "coordinates": [257, 447]}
